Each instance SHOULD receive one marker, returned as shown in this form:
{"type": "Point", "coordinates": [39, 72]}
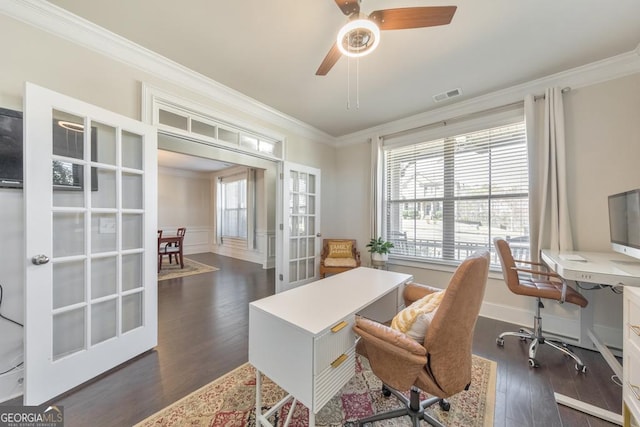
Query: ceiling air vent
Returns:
{"type": "Point", "coordinates": [446, 95]}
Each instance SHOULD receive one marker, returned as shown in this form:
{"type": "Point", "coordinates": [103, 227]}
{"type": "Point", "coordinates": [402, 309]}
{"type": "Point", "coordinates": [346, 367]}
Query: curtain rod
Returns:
{"type": "Point", "coordinates": [467, 116]}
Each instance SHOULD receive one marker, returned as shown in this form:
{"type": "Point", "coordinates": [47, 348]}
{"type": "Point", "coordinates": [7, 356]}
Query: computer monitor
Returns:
{"type": "Point", "coordinates": [624, 222]}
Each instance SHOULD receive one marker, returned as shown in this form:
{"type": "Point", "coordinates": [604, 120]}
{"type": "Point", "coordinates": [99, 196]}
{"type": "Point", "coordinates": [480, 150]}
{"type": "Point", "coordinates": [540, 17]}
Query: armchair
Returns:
{"type": "Point", "coordinates": [441, 365]}
{"type": "Point", "coordinates": [338, 255]}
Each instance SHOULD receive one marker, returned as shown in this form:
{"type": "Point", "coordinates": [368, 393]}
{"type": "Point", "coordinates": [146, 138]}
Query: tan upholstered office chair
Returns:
{"type": "Point", "coordinates": [338, 255]}
{"type": "Point", "coordinates": [441, 366]}
{"type": "Point", "coordinates": [551, 286]}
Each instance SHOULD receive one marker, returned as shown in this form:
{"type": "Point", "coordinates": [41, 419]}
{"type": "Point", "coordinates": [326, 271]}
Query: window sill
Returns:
{"type": "Point", "coordinates": [446, 266]}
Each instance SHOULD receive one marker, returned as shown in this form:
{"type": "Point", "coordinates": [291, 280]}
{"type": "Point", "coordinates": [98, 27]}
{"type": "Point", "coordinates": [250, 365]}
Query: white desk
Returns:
{"type": "Point", "coordinates": [303, 340]}
{"type": "Point", "coordinates": [606, 268]}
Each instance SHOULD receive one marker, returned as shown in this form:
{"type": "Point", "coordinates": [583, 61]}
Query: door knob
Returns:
{"type": "Point", "coordinates": [40, 259]}
{"type": "Point", "coordinates": [319, 235]}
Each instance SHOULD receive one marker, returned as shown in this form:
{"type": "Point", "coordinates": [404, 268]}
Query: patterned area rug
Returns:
{"type": "Point", "coordinates": [191, 267]}
{"type": "Point", "coordinates": [230, 401]}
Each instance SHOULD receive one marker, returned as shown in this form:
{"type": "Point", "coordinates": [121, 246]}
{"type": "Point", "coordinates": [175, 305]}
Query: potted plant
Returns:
{"type": "Point", "coordinates": [379, 249]}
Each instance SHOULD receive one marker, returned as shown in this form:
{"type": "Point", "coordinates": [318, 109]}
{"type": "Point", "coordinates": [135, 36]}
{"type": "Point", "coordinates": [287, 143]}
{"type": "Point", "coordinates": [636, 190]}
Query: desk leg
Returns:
{"type": "Point", "coordinates": [258, 398]}
{"type": "Point", "coordinates": [586, 315]}
{"type": "Point", "coordinates": [595, 411]}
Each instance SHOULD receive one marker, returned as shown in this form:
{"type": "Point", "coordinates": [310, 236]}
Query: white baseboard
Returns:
{"type": "Point", "coordinates": [565, 328]}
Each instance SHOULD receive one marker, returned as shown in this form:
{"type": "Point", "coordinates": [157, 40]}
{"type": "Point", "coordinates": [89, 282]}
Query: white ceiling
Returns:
{"type": "Point", "coordinates": [270, 49]}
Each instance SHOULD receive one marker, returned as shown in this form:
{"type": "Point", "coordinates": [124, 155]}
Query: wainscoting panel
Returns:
{"type": "Point", "coordinates": [198, 239]}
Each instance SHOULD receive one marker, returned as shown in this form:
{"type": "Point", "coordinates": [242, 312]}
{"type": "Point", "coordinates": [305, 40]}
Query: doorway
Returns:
{"type": "Point", "coordinates": [190, 174]}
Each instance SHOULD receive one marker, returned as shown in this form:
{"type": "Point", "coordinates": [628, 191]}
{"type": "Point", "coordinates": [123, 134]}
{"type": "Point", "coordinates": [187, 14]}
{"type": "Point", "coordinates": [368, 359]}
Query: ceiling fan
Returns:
{"type": "Point", "coordinates": [361, 35]}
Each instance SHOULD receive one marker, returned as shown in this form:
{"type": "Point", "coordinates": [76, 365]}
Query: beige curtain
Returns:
{"type": "Point", "coordinates": [375, 220]}
{"type": "Point", "coordinates": [549, 219]}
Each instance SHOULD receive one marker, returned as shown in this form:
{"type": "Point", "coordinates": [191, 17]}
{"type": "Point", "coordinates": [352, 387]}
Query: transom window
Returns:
{"type": "Point", "coordinates": [446, 198]}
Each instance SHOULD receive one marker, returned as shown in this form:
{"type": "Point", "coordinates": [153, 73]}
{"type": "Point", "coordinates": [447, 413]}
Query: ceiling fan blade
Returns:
{"type": "Point", "coordinates": [329, 60]}
{"type": "Point", "coordinates": [348, 7]}
{"type": "Point", "coordinates": [412, 17]}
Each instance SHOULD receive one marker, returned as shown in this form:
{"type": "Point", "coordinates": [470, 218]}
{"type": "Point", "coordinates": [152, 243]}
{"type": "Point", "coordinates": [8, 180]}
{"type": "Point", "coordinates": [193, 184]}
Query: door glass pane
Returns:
{"type": "Point", "coordinates": [131, 150]}
{"type": "Point", "coordinates": [68, 332]}
{"type": "Point", "coordinates": [131, 271]}
{"type": "Point", "coordinates": [311, 205]}
{"type": "Point", "coordinates": [68, 234]}
{"type": "Point", "coordinates": [293, 186]}
{"type": "Point", "coordinates": [131, 191]}
{"type": "Point", "coordinates": [293, 271]}
{"type": "Point", "coordinates": [302, 203]}
{"type": "Point", "coordinates": [103, 186]}
{"type": "Point", "coordinates": [312, 246]}
{"type": "Point", "coordinates": [312, 226]}
{"type": "Point", "coordinates": [303, 248]}
{"type": "Point", "coordinates": [311, 267]}
{"type": "Point", "coordinates": [67, 179]}
{"type": "Point", "coordinates": [302, 182]}
{"type": "Point", "coordinates": [104, 273]}
{"type": "Point", "coordinates": [132, 231]}
{"type": "Point", "coordinates": [103, 321]}
{"type": "Point", "coordinates": [312, 184]}
{"type": "Point", "coordinates": [293, 248]}
{"type": "Point", "coordinates": [131, 311]}
{"type": "Point", "coordinates": [68, 135]}
{"type": "Point", "coordinates": [103, 232]}
{"type": "Point", "coordinates": [103, 143]}
{"type": "Point", "coordinates": [293, 225]}
{"type": "Point", "coordinates": [68, 283]}
{"type": "Point", "coordinates": [302, 274]}
{"type": "Point", "coordinates": [302, 226]}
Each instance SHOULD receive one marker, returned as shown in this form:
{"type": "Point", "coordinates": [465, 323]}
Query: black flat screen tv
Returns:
{"type": "Point", "coordinates": [66, 175]}
{"type": "Point", "coordinates": [11, 148]}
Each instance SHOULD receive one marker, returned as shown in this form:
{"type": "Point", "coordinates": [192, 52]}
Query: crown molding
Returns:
{"type": "Point", "coordinates": [600, 71]}
{"type": "Point", "coordinates": [61, 23]}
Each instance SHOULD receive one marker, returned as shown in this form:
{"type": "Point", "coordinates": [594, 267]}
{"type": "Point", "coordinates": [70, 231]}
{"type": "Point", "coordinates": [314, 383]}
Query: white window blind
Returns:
{"type": "Point", "coordinates": [448, 197]}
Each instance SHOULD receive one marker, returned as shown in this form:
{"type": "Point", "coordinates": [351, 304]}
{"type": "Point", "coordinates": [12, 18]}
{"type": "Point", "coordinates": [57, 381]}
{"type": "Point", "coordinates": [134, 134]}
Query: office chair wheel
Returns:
{"type": "Point", "coordinates": [385, 391]}
{"type": "Point", "coordinates": [533, 363]}
{"type": "Point", "coordinates": [445, 405]}
{"type": "Point", "coordinates": [500, 342]}
{"type": "Point", "coordinates": [581, 368]}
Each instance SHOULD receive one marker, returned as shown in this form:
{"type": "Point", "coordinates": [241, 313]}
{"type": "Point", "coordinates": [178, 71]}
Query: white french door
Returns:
{"type": "Point", "coordinates": [301, 240]}
{"type": "Point", "coordinates": [90, 221]}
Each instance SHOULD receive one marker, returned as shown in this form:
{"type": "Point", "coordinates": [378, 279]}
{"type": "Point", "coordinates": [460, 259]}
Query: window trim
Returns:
{"type": "Point", "coordinates": [501, 116]}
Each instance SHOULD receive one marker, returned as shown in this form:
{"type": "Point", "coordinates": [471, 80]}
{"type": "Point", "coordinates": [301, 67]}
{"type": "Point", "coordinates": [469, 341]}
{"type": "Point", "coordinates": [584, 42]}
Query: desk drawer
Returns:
{"type": "Point", "coordinates": [632, 320]}
{"type": "Point", "coordinates": [329, 382]}
{"type": "Point", "coordinates": [333, 343]}
{"type": "Point", "coordinates": [631, 387]}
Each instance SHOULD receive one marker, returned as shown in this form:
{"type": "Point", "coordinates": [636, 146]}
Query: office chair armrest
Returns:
{"type": "Point", "coordinates": [548, 274]}
{"type": "Point", "coordinates": [551, 276]}
{"type": "Point", "coordinates": [537, 264]}
{"type": "Point", "coordinates": [415, 291]}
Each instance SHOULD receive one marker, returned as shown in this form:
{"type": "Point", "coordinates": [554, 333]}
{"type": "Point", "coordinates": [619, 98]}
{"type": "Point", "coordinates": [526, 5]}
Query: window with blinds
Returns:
{"type": "Point", "coordinates": [448, 197]}
{"type": "Point", "coordinates": [234, 207]}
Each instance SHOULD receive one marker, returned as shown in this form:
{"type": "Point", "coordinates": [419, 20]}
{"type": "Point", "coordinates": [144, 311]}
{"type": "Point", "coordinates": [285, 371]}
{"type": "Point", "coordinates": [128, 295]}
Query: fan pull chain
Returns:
{"type": "Point", "coordinates": [348, 87]}
{"type": "Point", "coordinates": [358, 83]}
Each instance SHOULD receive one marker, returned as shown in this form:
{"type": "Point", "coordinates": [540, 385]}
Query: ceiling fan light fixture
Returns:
{"type": "Point", "coordinates": [358, 37]}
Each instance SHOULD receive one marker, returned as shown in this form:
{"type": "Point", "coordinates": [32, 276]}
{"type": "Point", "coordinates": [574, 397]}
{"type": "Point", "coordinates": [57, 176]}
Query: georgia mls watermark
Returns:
{"type": "Point", "coordinates": [31, 416]}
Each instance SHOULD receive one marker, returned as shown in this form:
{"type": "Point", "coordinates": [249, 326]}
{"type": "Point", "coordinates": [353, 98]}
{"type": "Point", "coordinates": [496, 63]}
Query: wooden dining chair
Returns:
{"type": "Point", "coordinates": [167, 248]}
{"type": "Point", "coordinates": [179, 255]}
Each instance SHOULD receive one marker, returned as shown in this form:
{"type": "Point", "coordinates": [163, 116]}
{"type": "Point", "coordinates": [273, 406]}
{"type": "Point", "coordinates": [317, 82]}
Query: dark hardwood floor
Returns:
{"type": "Point", "coordinates": [203, 332]}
